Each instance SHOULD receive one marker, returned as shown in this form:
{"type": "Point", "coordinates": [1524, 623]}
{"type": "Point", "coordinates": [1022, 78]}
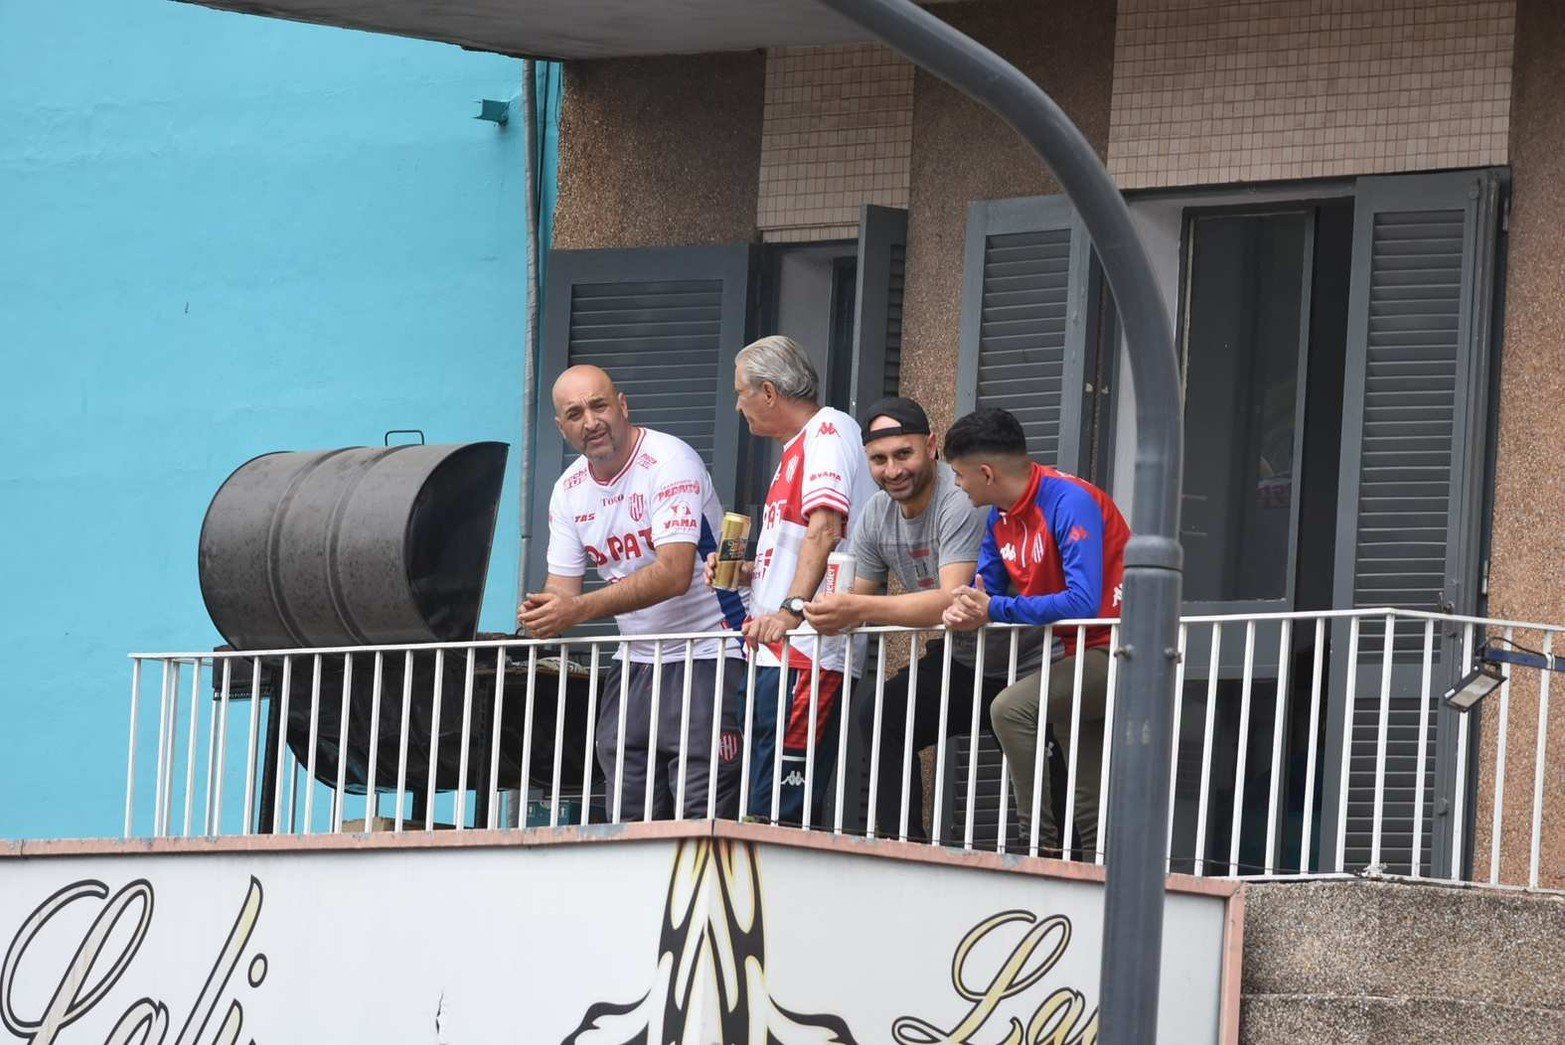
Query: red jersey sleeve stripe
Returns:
{"type": "Point", "coordinates": [825, 499]}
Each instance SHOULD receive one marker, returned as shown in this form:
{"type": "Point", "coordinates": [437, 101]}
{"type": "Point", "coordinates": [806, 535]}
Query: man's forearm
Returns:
{"type": "Point", "coordinates": [915, 610]}
{"type": "Point", "coordinates": [646, 587]}
{"type": "Point", "coordinates": [811, 567]}
{"type": "Point", "coordinates": [810, 571]}
{"type": "Point", "coordinates": [1042, 609]}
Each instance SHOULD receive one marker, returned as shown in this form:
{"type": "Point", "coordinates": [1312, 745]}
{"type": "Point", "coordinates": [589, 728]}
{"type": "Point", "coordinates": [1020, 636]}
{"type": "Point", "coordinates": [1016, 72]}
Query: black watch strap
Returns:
{"type": "Point", "coordinates": [794, 604]}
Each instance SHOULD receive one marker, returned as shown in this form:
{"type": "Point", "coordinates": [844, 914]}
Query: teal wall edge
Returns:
{"type": "Point", "coordinates": [221, 235]}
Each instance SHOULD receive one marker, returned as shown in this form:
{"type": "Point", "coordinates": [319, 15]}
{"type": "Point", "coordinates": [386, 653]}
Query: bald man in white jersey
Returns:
{"type": "Point", "coordinates": [638, 506]}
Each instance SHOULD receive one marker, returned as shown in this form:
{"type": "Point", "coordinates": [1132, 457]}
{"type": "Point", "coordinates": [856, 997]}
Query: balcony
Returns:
{"type": "Point", "coordinates": [494, 735]}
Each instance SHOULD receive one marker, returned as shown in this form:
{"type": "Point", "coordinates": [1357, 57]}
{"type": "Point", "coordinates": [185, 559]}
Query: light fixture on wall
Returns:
{"type": "Point", "coordinates": [1474, 686]}
{"type": "Point", "coordinates": [495, 112]}
{"type": "Point", "coordinates": [1485, 678]}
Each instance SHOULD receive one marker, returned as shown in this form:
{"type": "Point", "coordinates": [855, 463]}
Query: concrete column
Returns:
{"type": "Point", "coordinates": [1527, 573]}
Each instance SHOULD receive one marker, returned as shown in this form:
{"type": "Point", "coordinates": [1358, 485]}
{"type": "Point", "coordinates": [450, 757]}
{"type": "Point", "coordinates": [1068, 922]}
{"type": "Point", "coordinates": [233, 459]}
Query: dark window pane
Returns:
{"type": "Point", "coordinates": [1241, 355]}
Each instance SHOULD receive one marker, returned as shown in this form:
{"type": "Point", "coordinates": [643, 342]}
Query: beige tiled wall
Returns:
{"type": "Point", "coordinates": [837, 133]}
{"type": "Point", "coordinates": [1258, 90]}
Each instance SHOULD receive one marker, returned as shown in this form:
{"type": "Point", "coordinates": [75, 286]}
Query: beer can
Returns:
{"type": "Point", "coordinates": [731, 546]}
{"type": "Point", "coordinates": [840, 568]}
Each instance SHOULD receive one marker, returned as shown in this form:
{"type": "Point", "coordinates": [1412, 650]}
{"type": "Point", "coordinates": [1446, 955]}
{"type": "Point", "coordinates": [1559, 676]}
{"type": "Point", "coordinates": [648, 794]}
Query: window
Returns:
{"type": "Point", "coordinates": [1244, 349]}
{"type": "Point", "coordinates": [1336, 344]}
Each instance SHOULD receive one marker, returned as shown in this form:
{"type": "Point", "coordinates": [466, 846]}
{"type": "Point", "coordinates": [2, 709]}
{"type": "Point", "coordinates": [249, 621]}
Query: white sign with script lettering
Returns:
{"type": "Point", "coordinates": [698, 939]}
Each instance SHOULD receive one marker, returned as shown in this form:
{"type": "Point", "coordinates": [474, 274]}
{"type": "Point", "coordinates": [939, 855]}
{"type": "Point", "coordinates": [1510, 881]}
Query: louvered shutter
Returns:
{"type": "Point", "coordinates": [666, 324]}
{"type": "Point", "coordinates": [1415, 407]}
{"type": "Point", "coordinates": [988, 779]}
{"type": "Point", "coordinates": [1024, 320]}
{"type": "Point", "coordinates": [877, 318]}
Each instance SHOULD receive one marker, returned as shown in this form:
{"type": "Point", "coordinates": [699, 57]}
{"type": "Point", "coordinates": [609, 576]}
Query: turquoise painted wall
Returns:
{"type": "Point", "coordinates": [219, 235]}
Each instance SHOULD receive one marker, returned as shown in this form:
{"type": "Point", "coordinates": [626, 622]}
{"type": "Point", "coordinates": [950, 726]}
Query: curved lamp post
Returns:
{"type": "Point", "coordinates": [1136, 848]}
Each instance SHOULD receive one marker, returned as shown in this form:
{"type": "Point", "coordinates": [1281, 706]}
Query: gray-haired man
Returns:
{"type": "Point", "coordinates": [811, 509]}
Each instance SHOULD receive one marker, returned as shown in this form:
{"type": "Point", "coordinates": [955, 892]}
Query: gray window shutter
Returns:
{"type": "Point", "coordinates": [1414, 423]}
{"type": "Point", "coordinates": [666, 324]}
{"type": "Point", "coordinates": [1024, 320]}
{"type": "Point", "coordinates": [877, 320]}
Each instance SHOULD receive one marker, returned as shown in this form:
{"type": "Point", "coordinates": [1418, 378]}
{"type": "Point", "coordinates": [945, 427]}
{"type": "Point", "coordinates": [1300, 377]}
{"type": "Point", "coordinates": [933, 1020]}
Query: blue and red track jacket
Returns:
{"type": "Point", "coordinates": [1056, 554]}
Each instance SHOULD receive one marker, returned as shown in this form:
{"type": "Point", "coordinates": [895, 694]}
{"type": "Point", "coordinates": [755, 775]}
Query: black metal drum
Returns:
{"type": "Point", "coordinates": [359, 546]}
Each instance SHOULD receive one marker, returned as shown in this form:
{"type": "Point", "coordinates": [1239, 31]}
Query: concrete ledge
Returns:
{"type": "Point", "coordinates": [382, 841]}
{"type": "Point", "coordinates": [1301, 1019]}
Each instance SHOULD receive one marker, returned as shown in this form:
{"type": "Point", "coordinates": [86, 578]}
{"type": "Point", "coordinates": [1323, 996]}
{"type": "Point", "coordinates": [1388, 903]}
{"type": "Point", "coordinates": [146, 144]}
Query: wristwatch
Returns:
{"type": "Point", "coordinates": [793, 604]}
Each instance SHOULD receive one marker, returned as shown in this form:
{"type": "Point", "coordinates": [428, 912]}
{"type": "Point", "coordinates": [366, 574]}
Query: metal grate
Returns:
{"type": "Point", "coordinates": [1413, 353]}
{"type": "Point", "coordinates": [894, 318]}
{"type": "Point", "coordinates": [986, 793]}
{"type": "Point", "coordinates": [1021, 340]}
{"type": "Point", "coordinates": [1404, 507]}
{"type": "Point", "coordinates": [660, 341]}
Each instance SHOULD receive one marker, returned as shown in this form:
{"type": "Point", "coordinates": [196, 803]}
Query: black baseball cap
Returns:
{"type": "Point", "coordinates": [910, 418]}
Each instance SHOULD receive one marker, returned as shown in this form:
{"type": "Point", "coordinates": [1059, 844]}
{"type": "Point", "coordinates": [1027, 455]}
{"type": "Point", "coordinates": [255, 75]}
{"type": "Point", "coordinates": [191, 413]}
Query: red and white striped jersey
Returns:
{"type": "Point", "coordinates": [822, 467]}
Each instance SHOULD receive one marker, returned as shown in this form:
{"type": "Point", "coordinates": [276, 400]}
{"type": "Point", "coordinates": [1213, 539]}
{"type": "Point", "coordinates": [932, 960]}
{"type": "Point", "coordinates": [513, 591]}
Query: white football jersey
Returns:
{"type": "Point", "coordinates": [823, 466]}
{"type": "Point", "coordinates": [663, 495]}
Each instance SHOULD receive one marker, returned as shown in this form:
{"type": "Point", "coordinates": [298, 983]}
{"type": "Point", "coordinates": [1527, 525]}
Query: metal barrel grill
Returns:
{"type": "Point", "coordinates": [359, 546]}
{"type": "Point", "coordinates": [373, 546]}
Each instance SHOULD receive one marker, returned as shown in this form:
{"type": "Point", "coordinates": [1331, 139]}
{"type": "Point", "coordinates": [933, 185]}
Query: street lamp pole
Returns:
{"type": "Point", "coordinates": [1136, 846]}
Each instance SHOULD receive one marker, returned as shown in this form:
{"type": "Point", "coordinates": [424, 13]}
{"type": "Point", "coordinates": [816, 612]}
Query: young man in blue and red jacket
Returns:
{"type": "Point", "coordinates": [1054, 550]}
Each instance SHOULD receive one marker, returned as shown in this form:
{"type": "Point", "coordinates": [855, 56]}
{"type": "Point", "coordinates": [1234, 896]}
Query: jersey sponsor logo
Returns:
{"type": "Point", "coordinates": [613, 499]}
{"type": "Point", "coordinates": [794, 779]}
{"type": "Point", "coordinates": [817, 476]}
{"type": "Point", "coordinates": [1008, 552]}
{"type": "Point", "coordinates": [827, 428]}
{"type": "Point", "coordinates": [575, 479]}
{"type": "Point", "coordinates": [680, 517]}
{"type": "Point", "coordinates": [1078, 533]}
{"type": "Point", "coordinates": [586, 517]}
{"type": "Point", "coordinates": [689, 486]}
{"type": "Point", "coordinates": [638, 507]}
{"type": "Point", "coordinates": [646, 460]}
{"type": "Point", "coordinates": [621, 548]}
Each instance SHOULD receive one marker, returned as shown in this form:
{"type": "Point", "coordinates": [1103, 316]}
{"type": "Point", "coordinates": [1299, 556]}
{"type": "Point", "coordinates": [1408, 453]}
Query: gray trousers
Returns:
{"type": "Point", "coordinates": [661, 771]}
{"type": "Point", "coordinates": [1015, 720]}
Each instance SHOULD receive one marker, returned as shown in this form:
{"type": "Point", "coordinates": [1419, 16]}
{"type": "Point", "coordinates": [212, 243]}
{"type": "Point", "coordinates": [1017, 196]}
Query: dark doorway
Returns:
{"type": "Point", "coordinates": [1262, 339]}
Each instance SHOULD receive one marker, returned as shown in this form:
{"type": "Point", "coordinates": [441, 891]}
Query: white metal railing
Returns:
{"type": "Point", "coordinates": [1306, 744]}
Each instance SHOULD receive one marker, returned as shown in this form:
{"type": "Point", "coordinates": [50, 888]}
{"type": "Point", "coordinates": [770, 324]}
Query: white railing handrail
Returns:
{"type": "Point", "coordinates": [521, 642]}
{"type": "Point", "coordinates": [1265, 668]}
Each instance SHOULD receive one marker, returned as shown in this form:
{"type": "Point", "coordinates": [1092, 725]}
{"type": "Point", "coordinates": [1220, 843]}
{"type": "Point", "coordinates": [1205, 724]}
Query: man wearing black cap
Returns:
{"type": "Point", "coordinates": [921, 528]}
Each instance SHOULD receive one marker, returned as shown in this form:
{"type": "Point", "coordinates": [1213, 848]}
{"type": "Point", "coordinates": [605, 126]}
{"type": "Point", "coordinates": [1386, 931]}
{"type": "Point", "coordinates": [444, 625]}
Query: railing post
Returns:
{"type": "Point", "coordinates": [556, 779]}
{"type": "Point", "coordinates": [459, 800]}
{"type": "Point", "coordinates": [1337, 741]}
{"type": "Point", "coordinates": [1539, 765]}
{"type": "Point", "coordinates": [130, 758]}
